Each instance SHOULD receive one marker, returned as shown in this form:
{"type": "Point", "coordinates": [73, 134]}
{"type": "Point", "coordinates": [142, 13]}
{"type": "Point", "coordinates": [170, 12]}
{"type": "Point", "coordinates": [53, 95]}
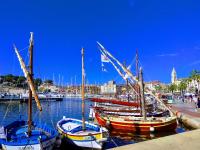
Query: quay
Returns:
{"type": "Point", "coordinates": [187, 114]}
{"type": "Point", "coordinates": [183, 141]}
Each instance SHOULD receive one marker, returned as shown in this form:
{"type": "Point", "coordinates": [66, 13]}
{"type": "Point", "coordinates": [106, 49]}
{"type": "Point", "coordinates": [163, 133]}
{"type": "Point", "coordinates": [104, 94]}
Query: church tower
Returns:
{"type": "Point", "coordinates": [173, 76]}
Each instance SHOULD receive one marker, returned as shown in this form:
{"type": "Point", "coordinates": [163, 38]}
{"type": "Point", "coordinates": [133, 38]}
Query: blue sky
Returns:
{"type": "Point", "coordinates": [166, 33]}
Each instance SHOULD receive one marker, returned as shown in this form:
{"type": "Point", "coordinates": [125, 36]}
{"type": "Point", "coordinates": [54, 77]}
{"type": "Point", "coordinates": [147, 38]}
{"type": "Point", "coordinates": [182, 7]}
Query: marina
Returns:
{"type": "Point", "coordinates": [70, 107]}
{"type": "Point", "coordinates": [99, 75]}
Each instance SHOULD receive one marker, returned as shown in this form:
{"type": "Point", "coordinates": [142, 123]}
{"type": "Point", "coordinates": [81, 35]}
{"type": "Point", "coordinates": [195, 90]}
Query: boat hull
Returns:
{"type": "Point", "coordinates": [46, 145]}
{"type": "Point", "coordinates": [86, 139]}
{"type": "Point", "coordinates": [137, 126]}
{"type": "Point", "coordinates": [16, 138]}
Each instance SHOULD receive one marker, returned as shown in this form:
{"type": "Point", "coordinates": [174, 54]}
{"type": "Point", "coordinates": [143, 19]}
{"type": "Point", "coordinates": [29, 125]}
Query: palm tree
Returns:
{"type": "Point", "coordinates": [195, 75]}
{"type": "Point", "coordinates": [182, 87]}
{"type": "Point", "coordinates": [172, 88]}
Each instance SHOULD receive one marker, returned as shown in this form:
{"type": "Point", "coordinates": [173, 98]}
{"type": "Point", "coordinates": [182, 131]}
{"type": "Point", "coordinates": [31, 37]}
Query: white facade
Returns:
{"type": "Point", "coordinates": [109, 88]}
{"type": "Point", "coordinates": [173, 76]}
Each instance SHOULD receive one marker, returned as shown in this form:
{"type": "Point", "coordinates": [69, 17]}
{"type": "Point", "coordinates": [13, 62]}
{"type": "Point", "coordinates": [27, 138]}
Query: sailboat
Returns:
{"type": "Point", "coordinates": [134, 123]}
{"type": "Point", "coordinates": [23, 135]}
{"type": "Point", "coordinates": [80, 132]}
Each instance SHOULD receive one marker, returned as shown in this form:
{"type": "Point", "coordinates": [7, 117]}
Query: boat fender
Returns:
{"type": "Point", "coordinates": [152, 129]}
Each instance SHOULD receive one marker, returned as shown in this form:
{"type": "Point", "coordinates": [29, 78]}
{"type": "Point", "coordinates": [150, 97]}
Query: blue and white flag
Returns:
{"type": "Point", "coordinates": [104, 58]}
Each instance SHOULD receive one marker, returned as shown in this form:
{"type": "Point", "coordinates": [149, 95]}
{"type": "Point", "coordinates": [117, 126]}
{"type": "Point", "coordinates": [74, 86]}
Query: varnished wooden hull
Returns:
{"type": "Point", "coordinates": [137, 126]}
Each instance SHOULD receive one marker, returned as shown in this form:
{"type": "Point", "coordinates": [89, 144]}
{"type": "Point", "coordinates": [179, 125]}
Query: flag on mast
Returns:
{"type": "Point", "coordinates": [104, 58]}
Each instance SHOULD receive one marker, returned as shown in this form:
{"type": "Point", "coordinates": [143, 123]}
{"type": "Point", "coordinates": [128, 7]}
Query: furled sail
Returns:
{"type": "Point", "coordinates": [30, 81]}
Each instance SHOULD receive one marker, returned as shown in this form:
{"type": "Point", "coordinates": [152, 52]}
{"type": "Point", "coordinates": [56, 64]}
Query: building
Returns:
{"type": "Point", "coordinates": [192, 86]}
{"type": "Point", "coordinates": [152, 85]}
{"type": "Point", "coordinates": [174, 79]}
{"type": "Point", "coordinates": [48, 87]}
{"type": "Point", "coordinates": [109, 88]}
{"type": "Point", "coordinates": [173, 76]}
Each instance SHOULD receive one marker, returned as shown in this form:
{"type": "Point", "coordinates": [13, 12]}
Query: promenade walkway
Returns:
{"type": "Point", "coordinates": [186, 108]}
{"type": "Point", "coordinates": [184, 141]}
{"type": "Point", "coordinates": [187, 113]}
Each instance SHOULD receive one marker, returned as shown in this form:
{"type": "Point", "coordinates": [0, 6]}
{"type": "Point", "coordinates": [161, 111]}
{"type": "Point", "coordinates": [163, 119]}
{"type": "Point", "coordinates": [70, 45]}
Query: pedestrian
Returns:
{"type": "Point", "coordinates": [195, 100]}
{"type": "Point", "coordinates": [198, 102]}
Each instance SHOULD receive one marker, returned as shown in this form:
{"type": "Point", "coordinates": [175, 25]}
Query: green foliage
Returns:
{"type": "Point", "coordinates": [158, 88]}
{"type": "Point", "coordinates": [38, 81]}
{"type": "Point", "coordinates": [195, 75]}
{"type": "Point", "coordinates": [182, 86]}
{"type": "Point", "coordinates": [48, 81]}
{"type": "Point", "coordinates": [172, 88]}
{"type": "Point", "coordinates": [8, 78]}
{"type": "Point", "coordinates": [17, 81]}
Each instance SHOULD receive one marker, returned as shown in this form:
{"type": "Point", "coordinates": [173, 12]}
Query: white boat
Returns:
{"type": "Point", "coordinates": [92, 137]}
{"type": "Point", "coordinates": [80, 132]}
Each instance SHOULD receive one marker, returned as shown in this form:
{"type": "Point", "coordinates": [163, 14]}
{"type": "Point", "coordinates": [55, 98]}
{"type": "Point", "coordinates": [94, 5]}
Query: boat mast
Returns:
{"type": "Point", "coordinates": [142, 94]}
{"type": "Point", "coordinates": [138, 97]}
{"type": "Point", "coordinates": [30, 92]}
{"type": "Point", "coordinates": [83, 91]}
{"type": "Point", "coordinates": [136, 67]}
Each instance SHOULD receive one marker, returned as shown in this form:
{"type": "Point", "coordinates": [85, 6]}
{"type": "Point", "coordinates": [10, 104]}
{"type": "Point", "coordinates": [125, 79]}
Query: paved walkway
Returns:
{"type": "Point", "coordinates": [186, 108]}
{"type": "Point", "coordinates": [184, 141]}
{"type": "Point", "coordinates": [187, 113]}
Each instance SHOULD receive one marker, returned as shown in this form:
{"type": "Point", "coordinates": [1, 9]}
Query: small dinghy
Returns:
{"type": "Point", "coordinates": [92, 137]}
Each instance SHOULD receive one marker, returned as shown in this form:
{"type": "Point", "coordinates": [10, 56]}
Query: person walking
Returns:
{"type": "Point", "coordinates": [198, 102]}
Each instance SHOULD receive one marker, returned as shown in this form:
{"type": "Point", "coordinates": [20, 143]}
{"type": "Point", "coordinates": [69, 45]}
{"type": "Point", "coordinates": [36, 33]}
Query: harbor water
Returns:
{"type": "Point", "coordinates": [53, 111]}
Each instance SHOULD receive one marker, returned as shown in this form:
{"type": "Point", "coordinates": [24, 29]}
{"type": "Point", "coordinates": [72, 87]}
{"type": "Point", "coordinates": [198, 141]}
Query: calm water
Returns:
{"type": "Point", "coordinates": [54, 111]}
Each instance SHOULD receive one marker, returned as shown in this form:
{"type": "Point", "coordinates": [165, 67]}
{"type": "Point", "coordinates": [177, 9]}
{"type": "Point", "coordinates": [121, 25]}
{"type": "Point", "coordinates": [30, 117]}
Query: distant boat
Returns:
{"type": "Point", "coordinates": [80, 132]}
{"type": "Point", "coordinates": [23, 135]}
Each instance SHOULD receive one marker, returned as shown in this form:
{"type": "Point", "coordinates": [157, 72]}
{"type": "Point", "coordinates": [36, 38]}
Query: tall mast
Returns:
{"type": "Point", "coordinates": [30, 92]}
{"type": "Point", "coordinates": [136, 64]}
{"type": "Point", "coordinates": [142, 94]}
{"type": "Point", "coordinates": [83, 91]}
{"type": "Point", "coordinates": [138, 97]}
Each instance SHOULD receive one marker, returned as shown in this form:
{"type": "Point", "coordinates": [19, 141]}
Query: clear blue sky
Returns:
{"type": "Point", "coordinates": [166, 33]}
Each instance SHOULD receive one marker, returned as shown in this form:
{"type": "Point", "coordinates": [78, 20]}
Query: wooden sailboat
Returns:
{"type": "Point", "coordinates": [21, 135]}
{"type": "Point", "coordinates": [81, 132]}
{"type": "Point", "coordinates": [132, 123]}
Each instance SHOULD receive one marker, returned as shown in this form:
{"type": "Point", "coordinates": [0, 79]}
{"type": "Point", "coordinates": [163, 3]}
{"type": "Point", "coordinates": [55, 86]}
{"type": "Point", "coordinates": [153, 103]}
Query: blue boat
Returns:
{"type": "Point", "coordinates": [28, 135]}
{"type": "Point", "coordinates": [14, 136]}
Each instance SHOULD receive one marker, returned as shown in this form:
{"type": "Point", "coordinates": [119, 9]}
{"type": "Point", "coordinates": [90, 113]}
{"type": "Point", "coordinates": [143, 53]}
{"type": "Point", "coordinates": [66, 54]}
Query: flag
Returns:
{"type": "Point", "coordinates": [104, 58]}
{"type": "Point", "coordinates": [126, 75]}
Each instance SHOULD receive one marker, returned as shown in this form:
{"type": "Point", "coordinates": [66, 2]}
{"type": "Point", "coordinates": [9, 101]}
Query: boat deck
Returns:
{"type": "Point", "coordinates": [71, 125]}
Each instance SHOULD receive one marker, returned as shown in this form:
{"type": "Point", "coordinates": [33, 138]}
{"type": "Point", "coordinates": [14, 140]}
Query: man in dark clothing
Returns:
{"type": "Point", "coordinates": [198, 102]}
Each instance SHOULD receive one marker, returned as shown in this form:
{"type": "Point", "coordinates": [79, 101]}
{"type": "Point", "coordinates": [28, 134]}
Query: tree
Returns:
{"type": "Point", "coordinates": [158, 88]}
{"type": "Point", "coordinates": [37, 82]}
{"type": "Point", "coordinates": [8, 78]}
{"type": "Point", "coordinates": [48, 81]}
{"type": "Point", "coordinates": [195, 75]}
{"type": "Point", "coordinates": [172, 88]}
{"type": "Point", "coordinates": [21, 81]}
{"type": "Point", "coordinates": [182, 87]}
